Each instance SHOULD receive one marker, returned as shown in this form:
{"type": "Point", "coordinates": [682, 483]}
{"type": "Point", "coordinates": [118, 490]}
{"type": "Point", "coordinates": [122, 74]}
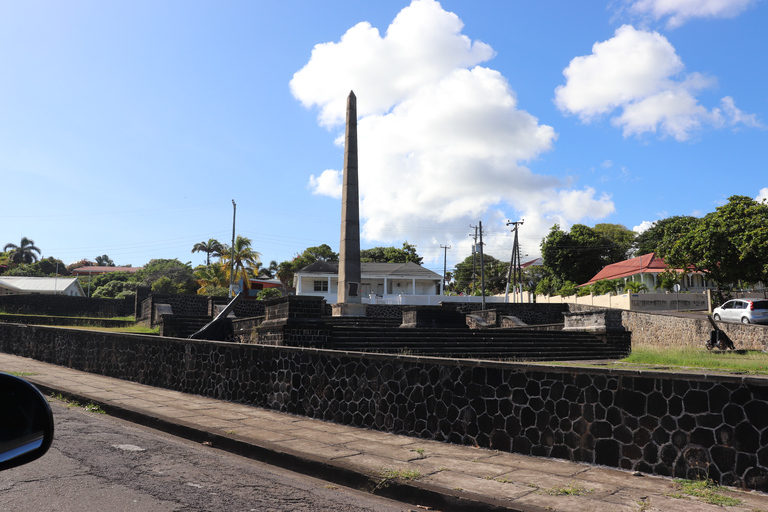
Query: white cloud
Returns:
{"type": "Point", "coordinates": [678, 12]}
{"type": "Point", "coordinates": [327, 184]}
{"type": "Point", "coordinates": [442, 142]}
{"type": "Point", "coordinates": [422, 45]}
{"type": "Point", "coordinates": [640, 73]}
{"type": "Point", "coordinates": [644, 226]}
{"type": "Point", "coordinates": [762, 195]}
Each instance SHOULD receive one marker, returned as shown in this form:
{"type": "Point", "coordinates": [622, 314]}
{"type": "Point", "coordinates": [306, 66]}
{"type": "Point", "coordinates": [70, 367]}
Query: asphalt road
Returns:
{"type": "Point", "coordinates": [100, 463]}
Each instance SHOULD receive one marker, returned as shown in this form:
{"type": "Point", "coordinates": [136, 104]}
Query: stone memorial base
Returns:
{"type": "Point", "coordinates": [346, 309]}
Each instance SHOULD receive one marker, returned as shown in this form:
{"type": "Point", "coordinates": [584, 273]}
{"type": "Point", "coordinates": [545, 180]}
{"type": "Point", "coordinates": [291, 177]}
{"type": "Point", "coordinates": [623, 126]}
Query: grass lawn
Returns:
{"type": "Point", "coordinates": [693, 360]}
{"type": "Point", "coordinates": [133, 329]}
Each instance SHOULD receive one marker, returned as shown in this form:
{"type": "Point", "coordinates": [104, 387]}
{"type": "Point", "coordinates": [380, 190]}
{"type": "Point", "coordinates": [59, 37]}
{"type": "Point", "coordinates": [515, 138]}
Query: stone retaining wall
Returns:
{"type": "Point", "coordinates": [64, 305]}
{"type": "Point", "coordinates": [686, 426]}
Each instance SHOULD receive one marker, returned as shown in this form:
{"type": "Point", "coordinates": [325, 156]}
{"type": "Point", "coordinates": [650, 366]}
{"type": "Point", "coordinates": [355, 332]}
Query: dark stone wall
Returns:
{"type": "Point", "coordinates": [686, 426]}
{"type": "Point", "coordinates": [64, 305]}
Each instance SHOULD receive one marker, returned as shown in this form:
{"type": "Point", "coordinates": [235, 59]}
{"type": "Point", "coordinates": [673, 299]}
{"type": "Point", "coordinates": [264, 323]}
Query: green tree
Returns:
{"type": "Point", "coordinates": [104, 261]}
{"type": "Point", "coordinates": [212, 280]}
{"type": "Point", "coordinates": [576, 255]}
{"type": "Point", "coordinates": [567, 289]}
{"type": "Point", "coordinates": [660, 237]}
{"type": "Point", "coordinates": [267, 272]}
{"type": "Point", "coordinates": [604, 286]}
{"type": "Point", "coordinates": [495, 275]}
{"type": "Point", "coordinates": [548, 285]}
{"type": "Point", "coordinates": [667, 280]}
{"type": "Point", "coordinates": [285, 272]}
{"type": "Point", "coordinates": [242, 260]}
{"type": "Point", "coordinates": [635, 287]}
{"type": "Point", "coordinates": [44, 267]}
{"type": "Point", "coordinates": [179, 276]}
{"type": "Point", "coordinates": [619, 240]}
{"type": "Point", "coordinates": [211, 247]}
{"type": "Point", "coordinates": [727, 245]}
{"type": "Point", "coordinates": [115, 289]}
{"type": "Point", "coordinates": [108, 277]}
{"type": "Point", "coordinates": [269, 293]}
{"type": "Point", "coordinates": [391, 254]}
{"type": "Point", "coordinates": [22, 253]}
{"type": "Point", "coordinates": [286, 269]}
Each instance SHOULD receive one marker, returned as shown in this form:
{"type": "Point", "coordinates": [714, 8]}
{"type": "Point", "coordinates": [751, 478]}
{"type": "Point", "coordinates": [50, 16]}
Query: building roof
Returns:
{"type": "Point", "coordinates": [645, 264]}
{"type": "Point", "coordinates": [404, 270]}
{"type": "Point", "coordinates": [37, 284]}
{"type": "Point", "coordinates": [95, 269]}
{"type": "Point", "coordinates": [538, 262]}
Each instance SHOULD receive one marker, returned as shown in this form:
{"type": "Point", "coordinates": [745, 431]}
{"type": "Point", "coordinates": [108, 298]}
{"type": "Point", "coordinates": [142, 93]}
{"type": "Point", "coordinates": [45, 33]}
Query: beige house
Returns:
{"type": "Point", "coordinates": [378, 280]}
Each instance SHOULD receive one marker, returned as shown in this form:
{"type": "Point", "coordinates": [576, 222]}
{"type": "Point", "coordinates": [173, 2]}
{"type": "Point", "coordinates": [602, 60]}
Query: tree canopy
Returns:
{"type": "Point", "coordinates": [22, 253]}
{"type": "Point", "coordinates": [663, 234]}
{"type": "Point", "coordinates": [576, 255]}
{"type": "Point", "coordinates": [620, 241]}
{"type": "Point", "coordinates": [173, 276]}
{"type": "Point", "coordinates": [211, 248]}
{"type": "Point", "coordinates": [391, 254]}
{"type": "Point", "coordinates": [727, 245]}
{"type": "Point", "coordinates": [495, 275]}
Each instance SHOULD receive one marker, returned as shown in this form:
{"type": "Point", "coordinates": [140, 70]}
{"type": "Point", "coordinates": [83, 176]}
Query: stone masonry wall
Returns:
{"type": "Point", "coordinates": [63, 305]}
{"type": "Point", "coordinates": [686, 426]}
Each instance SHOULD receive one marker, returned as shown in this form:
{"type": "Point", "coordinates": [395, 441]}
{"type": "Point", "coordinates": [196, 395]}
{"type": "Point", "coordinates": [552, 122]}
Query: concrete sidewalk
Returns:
{"type": "Point", "coordinates": [445, 477]}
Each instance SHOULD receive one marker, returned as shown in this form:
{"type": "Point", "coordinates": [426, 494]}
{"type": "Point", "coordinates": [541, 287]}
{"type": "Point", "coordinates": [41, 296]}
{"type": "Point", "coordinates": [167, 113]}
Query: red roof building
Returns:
{"type": "Point", "coordinates": [96, 270]}
{"type": "Point", "coordinates": [645, 269]}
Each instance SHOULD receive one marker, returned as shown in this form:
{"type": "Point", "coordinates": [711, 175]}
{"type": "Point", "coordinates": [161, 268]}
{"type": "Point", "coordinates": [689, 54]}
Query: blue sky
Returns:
{"type": "Point", "coordinates": [127, 128]}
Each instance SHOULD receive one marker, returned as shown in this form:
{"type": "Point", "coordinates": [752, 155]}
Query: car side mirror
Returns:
{"type": "Point", "coordinates": [26, 422]}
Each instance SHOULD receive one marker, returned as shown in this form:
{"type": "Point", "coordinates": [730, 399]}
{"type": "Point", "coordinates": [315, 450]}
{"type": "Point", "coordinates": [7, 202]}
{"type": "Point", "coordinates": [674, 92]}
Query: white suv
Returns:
{"type": "Point", "coordinates": [746, 311]}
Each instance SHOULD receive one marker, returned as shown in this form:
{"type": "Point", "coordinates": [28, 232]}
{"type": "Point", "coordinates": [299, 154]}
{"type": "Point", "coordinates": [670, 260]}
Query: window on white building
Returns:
{"type": "Point", "coordinates": [321, 286]}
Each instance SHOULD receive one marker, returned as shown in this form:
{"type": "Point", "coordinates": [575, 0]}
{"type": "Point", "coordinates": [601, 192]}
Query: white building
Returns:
{"type": "Point", "coordinates": [378, 280]}
{"type": "Point", "coordinates": [13, 285]}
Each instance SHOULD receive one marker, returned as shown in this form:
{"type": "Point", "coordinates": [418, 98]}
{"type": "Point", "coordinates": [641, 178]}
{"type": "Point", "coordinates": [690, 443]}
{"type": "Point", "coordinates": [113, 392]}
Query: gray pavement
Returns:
{"type": "Point", "coordinates": [428, 474]}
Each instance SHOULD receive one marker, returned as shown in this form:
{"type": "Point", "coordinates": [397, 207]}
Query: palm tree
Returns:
{"type": "Point", "coordinates": [212, 246]}
{"type": "Point", "coordinates": [24, 253]}
{"type": "Point", "coordinates": [211, 278]}
{"type": "Point", "coordinates": [245, 258]}
{"type": "Point", "coordinates": [268, 272]}
{"type": "Point", "coordinates": [635, 287]}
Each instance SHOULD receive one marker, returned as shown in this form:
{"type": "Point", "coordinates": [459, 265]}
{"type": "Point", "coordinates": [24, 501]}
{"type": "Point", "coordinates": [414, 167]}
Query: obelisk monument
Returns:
{"type": "Point", "coordinates": [348, 301]}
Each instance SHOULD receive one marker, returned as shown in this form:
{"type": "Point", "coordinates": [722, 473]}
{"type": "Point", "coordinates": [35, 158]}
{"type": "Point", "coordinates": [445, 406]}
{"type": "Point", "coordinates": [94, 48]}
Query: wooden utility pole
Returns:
{"type": "Point", "coordinates": [515, 274]}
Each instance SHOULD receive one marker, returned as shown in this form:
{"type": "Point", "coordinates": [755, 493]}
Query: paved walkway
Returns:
{"type": "Point", "coordinates": [449, 477]}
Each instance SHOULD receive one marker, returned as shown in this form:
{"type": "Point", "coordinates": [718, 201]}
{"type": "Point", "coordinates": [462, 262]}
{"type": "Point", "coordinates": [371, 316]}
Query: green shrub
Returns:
{"type": "Point", "coordinates": [269, 293]}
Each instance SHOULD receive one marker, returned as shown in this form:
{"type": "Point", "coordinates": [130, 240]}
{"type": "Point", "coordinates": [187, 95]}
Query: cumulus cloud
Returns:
{"type": "Point", "coordinates": [327, 184]}
{"type": "Point", "coordinates": [639, 73]}
{"type": "Point", "coordinates": [442, 140]}
{"type": "Point", "coordinates": [762, 195]}
{"type": "Point", "coordinates": [644, 226]}
{"type": "Point", "coordinates": [678, 12]}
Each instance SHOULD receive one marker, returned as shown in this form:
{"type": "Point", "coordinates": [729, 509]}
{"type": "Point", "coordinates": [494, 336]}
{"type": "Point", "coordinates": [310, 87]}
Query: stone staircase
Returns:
{"type": "Point", "coordinates": [357, 322]}
{"type": "Point", "coordinates": [495, 344]}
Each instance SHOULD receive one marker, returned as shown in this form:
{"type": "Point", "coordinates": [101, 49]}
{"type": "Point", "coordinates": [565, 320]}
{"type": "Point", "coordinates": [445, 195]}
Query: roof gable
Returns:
{"type": "Point", "coordinates": [646, 264]}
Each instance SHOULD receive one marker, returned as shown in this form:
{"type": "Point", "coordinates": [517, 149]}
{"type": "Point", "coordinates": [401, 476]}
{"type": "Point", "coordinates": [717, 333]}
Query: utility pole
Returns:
{"type": "Point", "coordinates": [515, 271]}
{"type": "Point", "coordinates": [482, 268]}
{"type": "Point", "coordinates": [474, 251]}
{"type": "Point", "coordinates": [445, 266]}
{"type": "Point", "coordinates": [232, 260]}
